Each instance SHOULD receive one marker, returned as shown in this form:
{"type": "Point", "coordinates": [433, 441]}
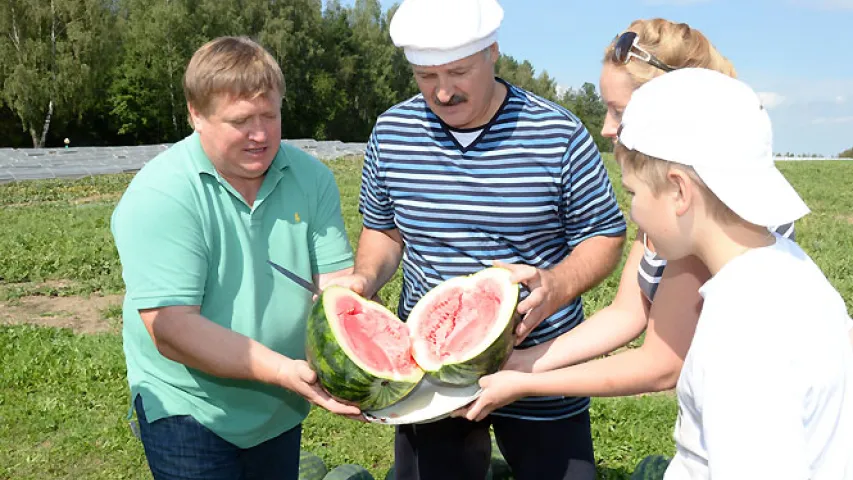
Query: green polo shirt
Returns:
{"type": "Point", "coordinates": [186, 237]}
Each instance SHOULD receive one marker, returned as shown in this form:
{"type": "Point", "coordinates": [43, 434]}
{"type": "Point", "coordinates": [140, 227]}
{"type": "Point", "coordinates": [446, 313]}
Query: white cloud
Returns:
{"type": "Point", "coordinates": [832, 120]}
{"type": "Point", "coordinates": [771, 99]}
{"type": "Point", "coordinates": [840, 99]}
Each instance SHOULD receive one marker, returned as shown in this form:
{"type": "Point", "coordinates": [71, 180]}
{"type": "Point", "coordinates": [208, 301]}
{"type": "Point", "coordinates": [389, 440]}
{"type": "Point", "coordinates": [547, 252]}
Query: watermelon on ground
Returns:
{"type": "Point", "coordinates": [311, 467]}
{"type": "Point", "coordinates": [651, 468]}
{"type": "Point", "coordinates": [349, 471]}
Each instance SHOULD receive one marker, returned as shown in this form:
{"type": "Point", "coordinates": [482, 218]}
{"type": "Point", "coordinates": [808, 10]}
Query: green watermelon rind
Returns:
{"type": "Point", "coordinates": [339, 374]}
{"type": "Point", "coordinates": [349, 471]}
{"type": "Point", "coordinates": [652, 467]}
{"type": "Point", "coordinates": [489, 360]}
{"type": "Point", "coordinates": [311, 467]}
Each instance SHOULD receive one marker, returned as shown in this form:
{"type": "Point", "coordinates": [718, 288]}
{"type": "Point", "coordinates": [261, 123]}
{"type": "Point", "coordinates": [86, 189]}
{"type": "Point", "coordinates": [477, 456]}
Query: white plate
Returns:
{"type": "Point", "coordinates": [428, 402]}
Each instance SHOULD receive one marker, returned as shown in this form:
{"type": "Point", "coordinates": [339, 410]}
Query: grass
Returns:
{"type": "Point", "coordinates": [63, 397]}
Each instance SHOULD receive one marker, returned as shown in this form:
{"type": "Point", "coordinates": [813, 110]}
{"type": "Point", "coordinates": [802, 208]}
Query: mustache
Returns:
{"type": "Point", "coordinates": [454, 100]}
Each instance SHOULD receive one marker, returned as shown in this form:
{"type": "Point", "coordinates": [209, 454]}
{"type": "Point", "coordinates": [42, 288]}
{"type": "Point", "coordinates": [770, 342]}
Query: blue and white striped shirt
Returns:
{"type": "Point", "coordinates": [528, 190]}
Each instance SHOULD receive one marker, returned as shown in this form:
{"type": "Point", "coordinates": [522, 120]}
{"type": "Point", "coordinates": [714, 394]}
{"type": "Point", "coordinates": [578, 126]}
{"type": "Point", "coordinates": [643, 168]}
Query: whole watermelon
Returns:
{"type": "Point", "coordinates": [651, 468]}
{"type": "Point", "coordinates": [349, 471]}
{"type": "Point", "coordinates": [311, 467]}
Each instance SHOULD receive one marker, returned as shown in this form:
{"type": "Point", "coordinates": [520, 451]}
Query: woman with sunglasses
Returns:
{"type": "Point", "coordinates": [662, 299]}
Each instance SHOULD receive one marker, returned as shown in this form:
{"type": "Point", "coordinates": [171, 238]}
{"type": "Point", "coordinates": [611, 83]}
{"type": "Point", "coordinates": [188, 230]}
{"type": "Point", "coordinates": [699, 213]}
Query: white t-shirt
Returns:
{"type": "Point", "coordinates": [766, 391]}
{"type": "Point", "coordinates": [466, 138]}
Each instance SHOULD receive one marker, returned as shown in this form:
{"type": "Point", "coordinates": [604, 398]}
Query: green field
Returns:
{"type": "Point", "coordinates": [63, 394]}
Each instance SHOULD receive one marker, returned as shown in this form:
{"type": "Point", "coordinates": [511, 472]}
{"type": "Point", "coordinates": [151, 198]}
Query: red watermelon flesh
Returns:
{"type": "Point", "coordinates": [459, 319]}
{"type": "Point", "coordinates": [464, 327]}
{"type": "Point", "coordinates": [378, 340]}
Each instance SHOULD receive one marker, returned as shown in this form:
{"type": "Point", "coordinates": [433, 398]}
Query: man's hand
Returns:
{"type": "Point", "coordinates": [543, 300]}
{"type": "Point", "coordinates": [297, 376]}
{"type": "Point", "coordinates": [358, 283]}
{"type": "Point", "coordinates": [499, 389]}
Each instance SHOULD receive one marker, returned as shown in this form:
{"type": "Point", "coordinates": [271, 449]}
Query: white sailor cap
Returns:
{"type": "Point", "coordinates": [437, 32]}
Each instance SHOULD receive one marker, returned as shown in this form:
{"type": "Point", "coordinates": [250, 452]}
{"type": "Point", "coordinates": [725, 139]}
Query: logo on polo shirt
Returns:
{"type": "Point", "coordinates": [296, 217]}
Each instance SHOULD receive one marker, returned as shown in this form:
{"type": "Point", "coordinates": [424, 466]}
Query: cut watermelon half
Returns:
{"type": "Point", "coordinates": [360, 350]}
{"type": "Point", "coordinates": [464, 328]}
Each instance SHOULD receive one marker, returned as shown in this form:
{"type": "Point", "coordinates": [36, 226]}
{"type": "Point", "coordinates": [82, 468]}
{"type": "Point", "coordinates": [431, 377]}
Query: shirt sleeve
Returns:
{"type": "Point", "coordinates": [161, 247]}
{"type": "Point", "coordinates": [375, 203]}
{"type": "Point", "coordinates": [752, 410]}
{"type": "Point", "coordinates": [589, 206]}
{"type": "Point", "coordinates": [330, 249]}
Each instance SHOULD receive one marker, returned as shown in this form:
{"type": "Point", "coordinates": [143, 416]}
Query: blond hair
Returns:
{"type": "Point", "coordinates": [234, 66]}
{"type": "Point", "coordinates": [675, 44]}
{"type": "Point", "coordinates": [653, 172]}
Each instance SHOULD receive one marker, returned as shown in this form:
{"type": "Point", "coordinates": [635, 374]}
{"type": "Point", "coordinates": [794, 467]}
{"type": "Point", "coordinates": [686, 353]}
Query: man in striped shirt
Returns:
{"type": "Point", "coordinates": [473, 171]}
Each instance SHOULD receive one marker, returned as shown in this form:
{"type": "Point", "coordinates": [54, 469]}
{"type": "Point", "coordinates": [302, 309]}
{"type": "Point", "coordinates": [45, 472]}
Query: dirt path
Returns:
{"type": "Point", "coordinates": [81, 314]}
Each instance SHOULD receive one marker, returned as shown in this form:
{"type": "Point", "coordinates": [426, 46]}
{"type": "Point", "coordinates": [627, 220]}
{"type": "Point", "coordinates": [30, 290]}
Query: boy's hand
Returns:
{"type": "Point", "coordinates": [499, 389]}
{"type": "Point", "coordinates": [525, 360]}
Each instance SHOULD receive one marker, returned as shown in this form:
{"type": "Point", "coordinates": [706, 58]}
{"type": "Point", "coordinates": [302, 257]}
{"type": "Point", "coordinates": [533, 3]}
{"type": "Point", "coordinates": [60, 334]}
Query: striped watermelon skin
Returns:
{"type": "Point", "coordinates": [651, 468]}
{"type": "Point", "coordinates": [349, 471]}
{"type": "Point", "coordinates": [339, 375]}
{"type": "Point", "coordinates": [311, 467]}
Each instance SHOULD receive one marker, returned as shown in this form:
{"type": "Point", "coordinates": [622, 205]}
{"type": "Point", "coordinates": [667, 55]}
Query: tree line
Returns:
{"type": "Point", "coordinates": [109, 72]}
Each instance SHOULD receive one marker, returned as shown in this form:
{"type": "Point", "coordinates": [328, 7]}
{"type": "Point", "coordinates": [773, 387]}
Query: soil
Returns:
{"type": "Point", "coordinates": [81, 314]}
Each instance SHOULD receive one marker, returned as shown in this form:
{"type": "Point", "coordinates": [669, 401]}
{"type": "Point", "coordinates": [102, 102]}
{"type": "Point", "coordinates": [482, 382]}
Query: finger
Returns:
{"type": "Point", "coordinates": [532, 301]}
{"type": "Point", "coordinates": [483, 414]}
{"type": "Point", "coordinates": [459, 412]}
{"type": "Point", "coordinates": [306, 374]}
{"type": "Point", "coordinates": [357, 418]}
{"type": "Point", "coordinates": [339, 408]}
{"type": "Point", "coordinates": [520, 273]}
{"type": "Point", "coordinates": [474, 411]}
{"type": "Point", "coordinates": [357, 286]}
{"type": "Point", "coordinates": [336, 406]}
{"type": "Point", "coordinates": [527, 324]}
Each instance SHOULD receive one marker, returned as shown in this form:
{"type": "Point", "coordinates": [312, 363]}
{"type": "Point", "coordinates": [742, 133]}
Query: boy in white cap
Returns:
{"type": "Point", "coordinates": [762, 393]}
{"type": "Point", "coordinates": [471, 172]}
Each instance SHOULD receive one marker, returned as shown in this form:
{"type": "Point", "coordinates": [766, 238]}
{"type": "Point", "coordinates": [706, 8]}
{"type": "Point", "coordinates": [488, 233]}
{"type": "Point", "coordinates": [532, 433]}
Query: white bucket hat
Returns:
{"type": "Point", "coordinates": [717, 125]}
{"type": "Point", "coordinates": [437, 32]}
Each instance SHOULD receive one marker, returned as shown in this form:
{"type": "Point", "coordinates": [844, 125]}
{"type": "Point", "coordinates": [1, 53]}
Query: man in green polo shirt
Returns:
{"type": "Point", "coordinates": [213, 337]}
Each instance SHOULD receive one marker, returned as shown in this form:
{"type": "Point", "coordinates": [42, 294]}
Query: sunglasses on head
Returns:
{"type": "Point", "coordinates": [627, 46]}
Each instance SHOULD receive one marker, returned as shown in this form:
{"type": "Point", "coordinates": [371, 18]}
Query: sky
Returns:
{"type": "Point", "coordinates": [797, 53]}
